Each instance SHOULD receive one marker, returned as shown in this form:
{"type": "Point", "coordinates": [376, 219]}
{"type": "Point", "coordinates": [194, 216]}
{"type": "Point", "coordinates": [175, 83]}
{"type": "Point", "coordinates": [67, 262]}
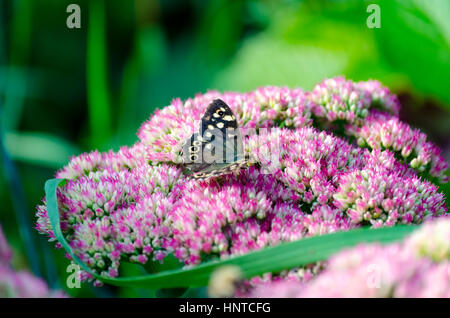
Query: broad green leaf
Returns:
{"type": "Point", "coordinates": [287, 255]}
{"type": "Point", "coordinates": [415, 39]}
{"type": "Point", "coordinates": [302, 47]}
{"type": "Point", "coordinates": [39, 148]}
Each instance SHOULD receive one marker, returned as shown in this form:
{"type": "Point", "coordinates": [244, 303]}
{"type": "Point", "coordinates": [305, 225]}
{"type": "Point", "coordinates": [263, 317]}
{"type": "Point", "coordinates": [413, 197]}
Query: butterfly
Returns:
{"type": "Point", "coordinates": [217, 147]}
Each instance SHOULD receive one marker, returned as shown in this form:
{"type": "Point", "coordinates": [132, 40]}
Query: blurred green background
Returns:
{"type": "Point", "coordinates": [65, 91]}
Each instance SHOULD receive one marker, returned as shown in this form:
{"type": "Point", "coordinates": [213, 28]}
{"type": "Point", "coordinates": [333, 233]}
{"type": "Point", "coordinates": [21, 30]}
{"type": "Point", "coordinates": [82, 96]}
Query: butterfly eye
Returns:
{"type": "Point", "coordinates": [221, 113]}
{"type": "Point", "coordinates": [193, 157]}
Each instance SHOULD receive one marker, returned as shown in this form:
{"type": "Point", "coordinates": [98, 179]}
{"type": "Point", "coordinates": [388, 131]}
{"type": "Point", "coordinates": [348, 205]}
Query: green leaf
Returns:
{"type": "Point", "coordinates": [287, 255]}
{"type": "Point", "coordinates": [415, 39]}
{"type": "Point", "coordinates": [39, 148]}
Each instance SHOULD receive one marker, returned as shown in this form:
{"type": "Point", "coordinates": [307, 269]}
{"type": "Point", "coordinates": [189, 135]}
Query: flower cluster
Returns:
{"type": "Point", "coordinates": [111, 215]}
{"type": "Point", "coordinates": [384, 196]}
{"type": "Point", "coordinates": [20, 284]}
{"type": "Point", "coordinates": [432, 241]}
{"type": "Point", "coordinates": [339, 99]}
{"type": "Point", "coordinates": [368, 110]}
{"type": "Point", "coordinates": [381, 97]}
{"type": "Point", "coordinates": [125, 158]}
{"type": "Point", "coordinates": [305, 160]}
{"type": "Point", "coordinates": [383, 131]}
{"type": "Point", "coordinates": [417, 267]}
{"type": "Point", "coordinates": [136, 205]}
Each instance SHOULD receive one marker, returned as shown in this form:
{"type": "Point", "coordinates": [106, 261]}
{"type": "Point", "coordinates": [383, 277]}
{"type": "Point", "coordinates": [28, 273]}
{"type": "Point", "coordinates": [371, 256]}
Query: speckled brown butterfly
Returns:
{"type": "Point", "coordinates": [217, 147]}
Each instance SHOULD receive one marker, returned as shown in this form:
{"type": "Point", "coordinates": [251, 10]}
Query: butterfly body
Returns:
{"type": "Point", "coordinates": [217, 147]}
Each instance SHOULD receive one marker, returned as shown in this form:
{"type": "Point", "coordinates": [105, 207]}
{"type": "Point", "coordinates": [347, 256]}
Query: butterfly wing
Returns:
{"type": "Point", "coordinates": [217, 148]}
{"type": "Point", "coordinates": [218, 115]}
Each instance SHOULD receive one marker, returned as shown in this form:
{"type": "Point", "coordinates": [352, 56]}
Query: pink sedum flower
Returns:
{"type": "Point", "coordinates": [125, 158]}
{"type": "Point", "coordinates": [109, 216]}
{"type": "Point", "coordinates": [136, 205]}
{"type": "Point", "coordinates": [381, 97]}
{"type": "Point", "coordinates": [5, 250]}
{"type": "Point", "coordinates": [23, 284]}
{"type": "Point", "coordinates": [340, 99]}
{"type": "Point", "coordinates": [377, 271]}
{"type": "Point", "coordinates": [373, 270]}
{"type": "Point", "coordinates": [20, 284]}
{"type": "Point", "coordinates": [384, 197]}
{"type": "Point", "coordinates": [383, 131]}
{"type": "Point", "coordinates": [432, 241]}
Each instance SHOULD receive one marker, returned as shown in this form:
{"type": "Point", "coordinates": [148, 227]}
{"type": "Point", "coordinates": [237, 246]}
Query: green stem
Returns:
{"type": "Point", "coordinates": [97, 87]}
{"type": "Point", "coordinates": [16, 83]}
{"type": "Point", "coordinates": [20, 207]}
